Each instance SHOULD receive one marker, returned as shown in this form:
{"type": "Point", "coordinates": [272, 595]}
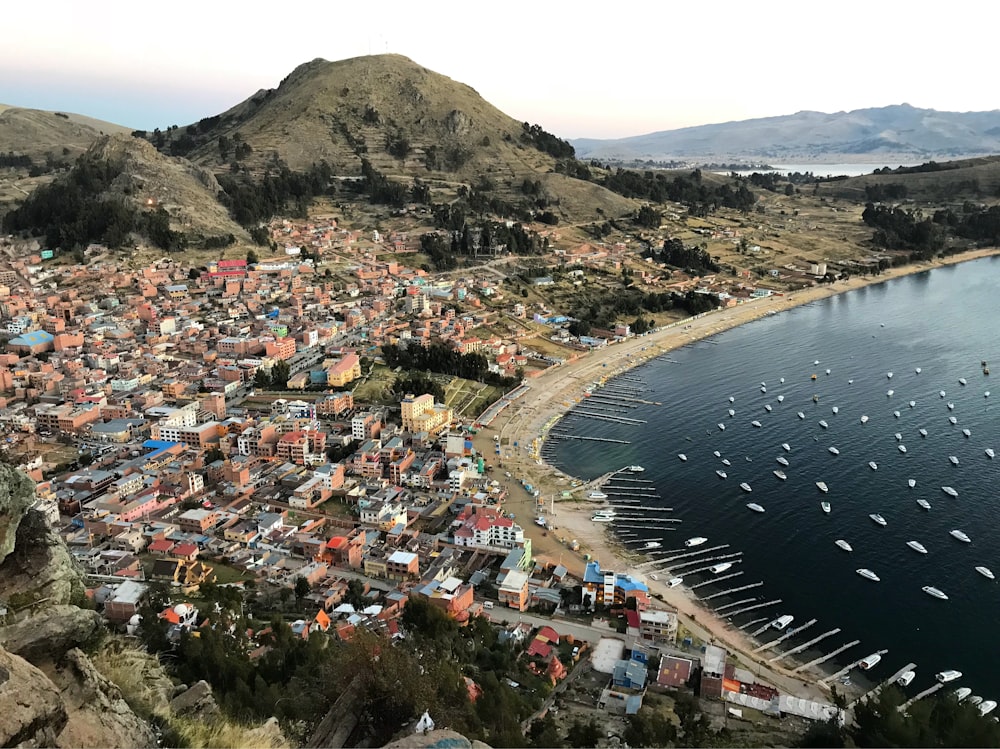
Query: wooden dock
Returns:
{"type": "Point", "coordinates": [843, 671]}
{"type": "Point", "coordinates": [731, 590]}
{"type": "Point", "coordinates": [721, 557]}
{"type": "Point", "coordinates": [587, 439]}
{"type": "Point", "coordinates": [715, 580]}
{"type": "Point", "coordinates": [734, 603]}
{"type": "Point", "coordinates": [824, 658]}
{"type": "Point", "coordinates": [703, 550]}
{"type": "Point", "coordinates": [752, 622]}
{"type": "Point", "coordinates": [805, 645]}
{"type": "Point", "coordinates": [775, 602]}
{"type": "Point", "coordinates": [875, 692]}
{"type": "Point", "coordinates": [785, 636]}
{"type": "Point", "coordinates": [926, 693]}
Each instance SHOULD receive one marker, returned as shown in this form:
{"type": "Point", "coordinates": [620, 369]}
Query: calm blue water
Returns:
{"type": "Point", "coordinates": [942, 321]}
{"type": "Point", "coordinates": [825, 170]}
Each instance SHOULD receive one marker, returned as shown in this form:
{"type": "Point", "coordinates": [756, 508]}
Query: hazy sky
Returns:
{"type": "Point", "coordinates": [595, 69]}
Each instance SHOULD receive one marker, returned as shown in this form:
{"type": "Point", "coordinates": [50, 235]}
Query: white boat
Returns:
{"type": "Point", "coordinates": [987, 395]}
{"type": "Point", "coordinates": [540, 522]}
{"type": "Point", "coordinates": [917, 370]}
{"type": "Point", "coordinates": [975, 699]}
{"type": "Point", "coordinates": [763, 389]}
{"type": "Point", "coordinates": [911, 483]}
{"type": "Point", "coordinates": [786, 447]}
{"type": "Point", "coordinates": [781, 397]}
{"type": "Point", "coordinates": [828, 371]}
{"type": "Point", "coordinates": [652, 545]}
{"type": "Point", "coordinates": [961, 381]}
{"type": "Point", "coordinates": [901, 448]}
{"type": "Point", "coordinates": [868, 574]}
{"type": "Point", "coordinates": [780, 474]}
{"type": "Point", "coordinates": [989, 453]}
{"type": "Point", "coordinates": [917, 546]}
{"type": "Point", "coordinates": [717, 454]}
{"type": "Point", "coordinates": [873, 465]}
{"type": "Point", "coordinates": [850, 382]}
{"type": "Point", "coordinates": [987, 706]}
{"type": "Point", "coordinates": [890, 392]}
{"type": "Point", "coordinates": [732, 399]}
{"type": "Point", "coordinates": [801, 415]}
{"type": "Point", "coordinates": [923, 432]}
{"type": "Point", "coordinates": [896, 414]}
{"type": "Point", "coordinates": [682, 456]}
{"type": "Point", "coordinates": [782, 459]}
{"type": "Point", "coordinates": [949, 491]}
{"type": "Point", "coordinates": [950, 675]}
{"type": "Point", "coordinates": [731, 413]}
{"type": "Point", "coordinates": [951, 406]}
{"type": "Point", "coordinates": [725, 462]}
{"type": "Point", "coordinates": [635, 469]}
{"type": "Point", "coordinates": [869, 662]}
{"type": "Point", "coordinates": [835, 410]}
{"type": "Point", "coordinates": [718, 569]}
{"type": "Point", "coordinates": [843, 544]}
{"type": "Point", "coordinates": [825, 506]}
{"type": "Point", "coordinates": [755, 424]}
{"type": "Point", "coordinates": [755, 507]}
{"type": "Point", "coordinates": [823, 424]}
{"type": "Point", "coordinates": [722, 427]}
{"type": "Point", "coordinates": [898, 437]}
{"type": "Point", "coordinates": [932, 591]}
{"type": "Point", "coordinates": [696, 541]}
{"type": "Point", "coordinates": [905, 678]}
{"type": "Point", "coordinates": [782, 380]}
{"type": "Point", "coordinates": [953, 459]}
{"type": "Point", "coordinates": [602, 518]}
{"type": "Point", "coordinates": [782, 621]}
{"type": "Point", "coordinates": [674, 582]}
{"type": "Point", "coordinates": [745, 487]}
{"type": "Point", "coordinates": [912, 404]}
{"type": "Point", "coordinates": [961, 536]}
{"type": "Point", "coordinates": [986, 572]}
{"type": "Point", "coordinates": [952, 420]}
{"type": "Point", "coordinates": [597, 495]}
{"type": "Point", "coordinates": [834, 451]}
{"type": "Point", "coordinates": [864, 419]}
{"type": "Point", "coordinates": [816, 363]}
{"type": "Point", "coordinates": [961, 693]}
{"type": "Point", "coordinates": [941, 393]}
{"type": "Point", "coordinates": [721, 474]}
{"type": "Point", "coordinates": [877, 518]}
{"type": "Point", "coordinates": [888, 375]}
{"type": "Point", "coordinates": [924, 503]}
{"type": "Point", "coordinates": [822, 487]}
{"type": "Point", "coordinates": [767, 407]}
{"type": "Point", "coordinates": [966, 432]}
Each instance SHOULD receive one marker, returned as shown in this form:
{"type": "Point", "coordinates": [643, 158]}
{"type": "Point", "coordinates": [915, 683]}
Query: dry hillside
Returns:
{"type": "Point", "coordinates": [36, 133]}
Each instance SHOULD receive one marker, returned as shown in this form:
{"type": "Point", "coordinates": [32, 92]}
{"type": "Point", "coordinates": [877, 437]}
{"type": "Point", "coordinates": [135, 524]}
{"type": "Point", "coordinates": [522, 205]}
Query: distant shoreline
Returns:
{"type": "Point", "coordinates": [557, 390]}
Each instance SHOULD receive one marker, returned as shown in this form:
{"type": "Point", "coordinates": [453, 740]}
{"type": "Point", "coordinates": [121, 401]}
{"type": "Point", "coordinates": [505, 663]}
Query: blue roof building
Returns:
{"type": "Point", "coordinates": [598, 584]}
{"type": "Point", "coordinates": [32, 341]}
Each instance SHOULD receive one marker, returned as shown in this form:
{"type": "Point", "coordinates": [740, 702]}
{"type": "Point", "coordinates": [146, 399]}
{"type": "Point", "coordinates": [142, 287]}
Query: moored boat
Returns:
{"type": "Point", "coordinates": [986, 572]}
{"type": "Point", "coordinates": [901, 448]}
{"type": "Point", "coordinates": [767, 407]}
{"type": "Point", "coordinates": [781, 397]}
{"type": "Point", "coordinates": [822, 487]}
{"type": "Point", "coordinates": [786, 447]}
{"type": "Point", "coordinates": [731, 413]}
{"type": "Point", "coordinates": [782, 621]}
{"type": "Point", "coordinates": [949, 675]}
{"type": "Point", "coordinates": [868, 574]}
{"type": "Point", "coordinates": [597, 495]}
{"type": "Point", "coordinates": [905, 678]}
{"type": "Point", "coordinates": [825, 506]}
{"type": "Point", "coordinates": [745, 487]}
{"type": "Point", "coordinates": [696, 541]}
{"type": "Point", "coordinates": [890, 392]}
{"type": "Point", "coordinates": [835, 410]}
{"type": "Point", "coordinates": [917, 546]}
{"type": "Point", "coordinates": [833, 450]}
{"type": "Point", "coordinates": [755, 424]}
{"type": "Point", "coordinates": [896, 414]}
{"type": "Point", "coordinates": [755, 507]}
{"type": "Point", "coordinates": [869, 662]}
{"type": "Point", "coordinates": [951, 406]}
{"type": "Point", "coordinates": [932, 591]}
{"type": "Point", "coordinates": [823, 424]}
{"type": "Point", "coordinates": [923, 432]}
{"type": "Point", "coordinates": [718, 569]}
{"type": "Point", "coordinates": [966, 432]}
{"type": "Point", "coordinates": [801, 415]}
{"type": "Point", "coordinates": [873, 465]}
{"type": "Point", "coordinates": [780, 474]}
{"type": "Point", "coordinates": [877, 518]}
{"type": "Point", "coordinates": [952, 420]}
{"type": "Point", "coordinates": [961, 536]}
{"type": "Point", "coordinates": [941, 393]}
{"type": "Point", "coordinates": [949, 491]}
{"type": "Point", "coordinates": [864, 419]}
{"type": "Point", "coordinates": [911, 483]}
{"type": "Point", "coordinates": [989, 453]}
{"type": "Point", "coordinates": [716, 453]}
{"type": "Point", "coordinates": [961, 693]}
{"type": "Point", "coordinates": [987, 706]}
{"type": "Point", "coordinates": [721, 474]}
{"type": "Point", "coordinates": [783, 460]}
{"type": "Point", "coordinates": [844, 545]}
{"type": "Point", "coordinates": [725, 462]}
{"type": "Point", "coordinates": [635, 469]}
{"type": "Point", "coordinates": [682, 456]}
{"type": "Point", "coordinates": [912, 404]}
{"type": "Point", "coordinates": [898, 436]}
{"type": "Point", "coordinates": [722, 427]}
{"type": "Point", "coordinates": [953, 459]}
{"type": "Point", "coordinates": [924, 503]}
{"type": "Point", "coordinates": [652, 545]}
{"type": "Point", "coordinates": [961, 381]}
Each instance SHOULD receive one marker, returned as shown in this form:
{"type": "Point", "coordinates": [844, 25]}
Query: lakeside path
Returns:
{"type": "Point", "coordinates": [558, 389]}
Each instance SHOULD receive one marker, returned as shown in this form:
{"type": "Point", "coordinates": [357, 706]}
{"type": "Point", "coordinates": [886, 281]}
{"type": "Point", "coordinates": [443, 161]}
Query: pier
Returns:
{"type": "Point", "coordinates": [785, 636]}
{"type": "Point", "coordinates": [876, 690]}
{"type": "Point", "coordinates": [752, 622]}
{"type": "Point", "coordinates": [800, 648]}
{"type": "Point", "coordinates": [756, 606]}
{"type": "Point", "coordinates": [602, 417]}
{"type": "Point", "coordinates": [731, 590]}
{"type": "Point", "coordinates": [734, 603]}
{"type": "Point", "coordinates": [721, 557]}
{"type": "Point", "coordinates": [718, 579]}
{"type": "Point", "coordinates": [651, 527]}
{"type": "Point", "coordinates": [618, 477]}
{"type": "Point", "coordinates": [825, 658]}
{"type": "Point", "coordinates": [622, 399]}
{"type": "Point", "coordinates": [691, 553]}
{"type": "Point", "coordinates": [843, 671]}
{"type": "Point", "coordinates": [587, 439]}
{"type": "Point", "coordinates": [926, 693]}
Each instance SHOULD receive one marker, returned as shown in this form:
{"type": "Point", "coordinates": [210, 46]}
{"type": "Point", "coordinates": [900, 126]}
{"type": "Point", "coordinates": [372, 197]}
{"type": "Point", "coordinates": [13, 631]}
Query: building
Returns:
{"type": "Point", "coordinates": [713, 671]}
{"type": "Point", "coordinates": [607, 588]}
{"type": "Point", "coordinates": [486, 527]}
{"type": "Point", "coordinates": [421, 414]}
{"type": "Point", "coordinates": [124, 602]}
{"type": "Point", "coordinates": [513, 591]}
{"type": "Point", "coordinates": [402, 565]}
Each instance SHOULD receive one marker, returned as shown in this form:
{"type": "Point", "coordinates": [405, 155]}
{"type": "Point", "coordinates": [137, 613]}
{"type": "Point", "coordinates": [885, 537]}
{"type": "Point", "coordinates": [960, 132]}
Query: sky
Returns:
{"type": "Point", "coordinates": [595, 70]}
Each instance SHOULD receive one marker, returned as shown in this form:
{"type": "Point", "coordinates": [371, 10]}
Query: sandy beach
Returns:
{"type": "Point", "coordinates": [555, 391]}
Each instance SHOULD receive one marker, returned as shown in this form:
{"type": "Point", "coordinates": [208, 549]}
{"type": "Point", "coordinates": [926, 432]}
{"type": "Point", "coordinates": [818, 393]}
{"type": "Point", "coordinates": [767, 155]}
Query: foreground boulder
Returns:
{"type": "Point", "coordinates": [33, 713]}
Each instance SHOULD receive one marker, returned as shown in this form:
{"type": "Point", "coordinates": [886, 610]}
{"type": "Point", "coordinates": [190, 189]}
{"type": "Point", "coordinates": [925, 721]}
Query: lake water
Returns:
{"type": "Point", "coordinates": [942, 321]}
{"type": "Point", "coordinates": [823, 170]}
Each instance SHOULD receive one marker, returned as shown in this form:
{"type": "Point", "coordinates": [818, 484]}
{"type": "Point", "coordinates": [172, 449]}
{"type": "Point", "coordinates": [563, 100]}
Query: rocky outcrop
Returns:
{"type": "Point", "coordinates": [40, 567]}
{"type": "Point", "coordinates": [17, 492]}
{"type": "Point", "coordinates": [438, 738]}
{"type": "Point", "coordinates": [32, 712]}
{"type": "Point", "coordinates": [197, 703]}
{"type": "Point", "coordinates": [50, 634]}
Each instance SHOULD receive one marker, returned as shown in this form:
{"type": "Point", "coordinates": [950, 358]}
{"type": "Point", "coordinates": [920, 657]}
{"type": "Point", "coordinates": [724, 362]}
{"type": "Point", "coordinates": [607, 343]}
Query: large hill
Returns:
{"type": "Point", "coordinates": [405, 120]}
{"type": "Point", "coordinates": [36, 133]}
{"type": "Point", "coordinates": [894, 133]}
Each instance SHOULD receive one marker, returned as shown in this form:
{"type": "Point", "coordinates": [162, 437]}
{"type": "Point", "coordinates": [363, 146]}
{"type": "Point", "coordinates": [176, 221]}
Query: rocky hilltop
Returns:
{"type": "Point", "coordinates": [59, 135]}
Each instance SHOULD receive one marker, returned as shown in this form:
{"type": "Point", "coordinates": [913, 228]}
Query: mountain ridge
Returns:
{"type": "Point", "coordinates": [896, 130]}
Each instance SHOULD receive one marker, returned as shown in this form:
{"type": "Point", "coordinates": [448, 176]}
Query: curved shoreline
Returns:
{"type": "Point", "coordinates": [557, 390]}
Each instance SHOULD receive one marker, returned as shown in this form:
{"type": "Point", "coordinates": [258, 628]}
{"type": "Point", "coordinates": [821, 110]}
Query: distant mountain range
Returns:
{"type": "Point", "coordinates": [894, 133]}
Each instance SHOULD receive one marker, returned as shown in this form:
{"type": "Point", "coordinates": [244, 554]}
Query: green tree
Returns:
{"type": "Point", "coordinates": [252, 258]}
{"type": "Point", "coordinates": [262, 378]}
{"type": "Point", "coordinates": [302, 587]}
{"type": "Point", "coordinates": [544, 732]}
{"type": "Point", "coordinates": [584, 734]}
{"type": "Point", "coordinates": [280, 372]}
{"type": "Point", "coordinates": [649, 728]}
